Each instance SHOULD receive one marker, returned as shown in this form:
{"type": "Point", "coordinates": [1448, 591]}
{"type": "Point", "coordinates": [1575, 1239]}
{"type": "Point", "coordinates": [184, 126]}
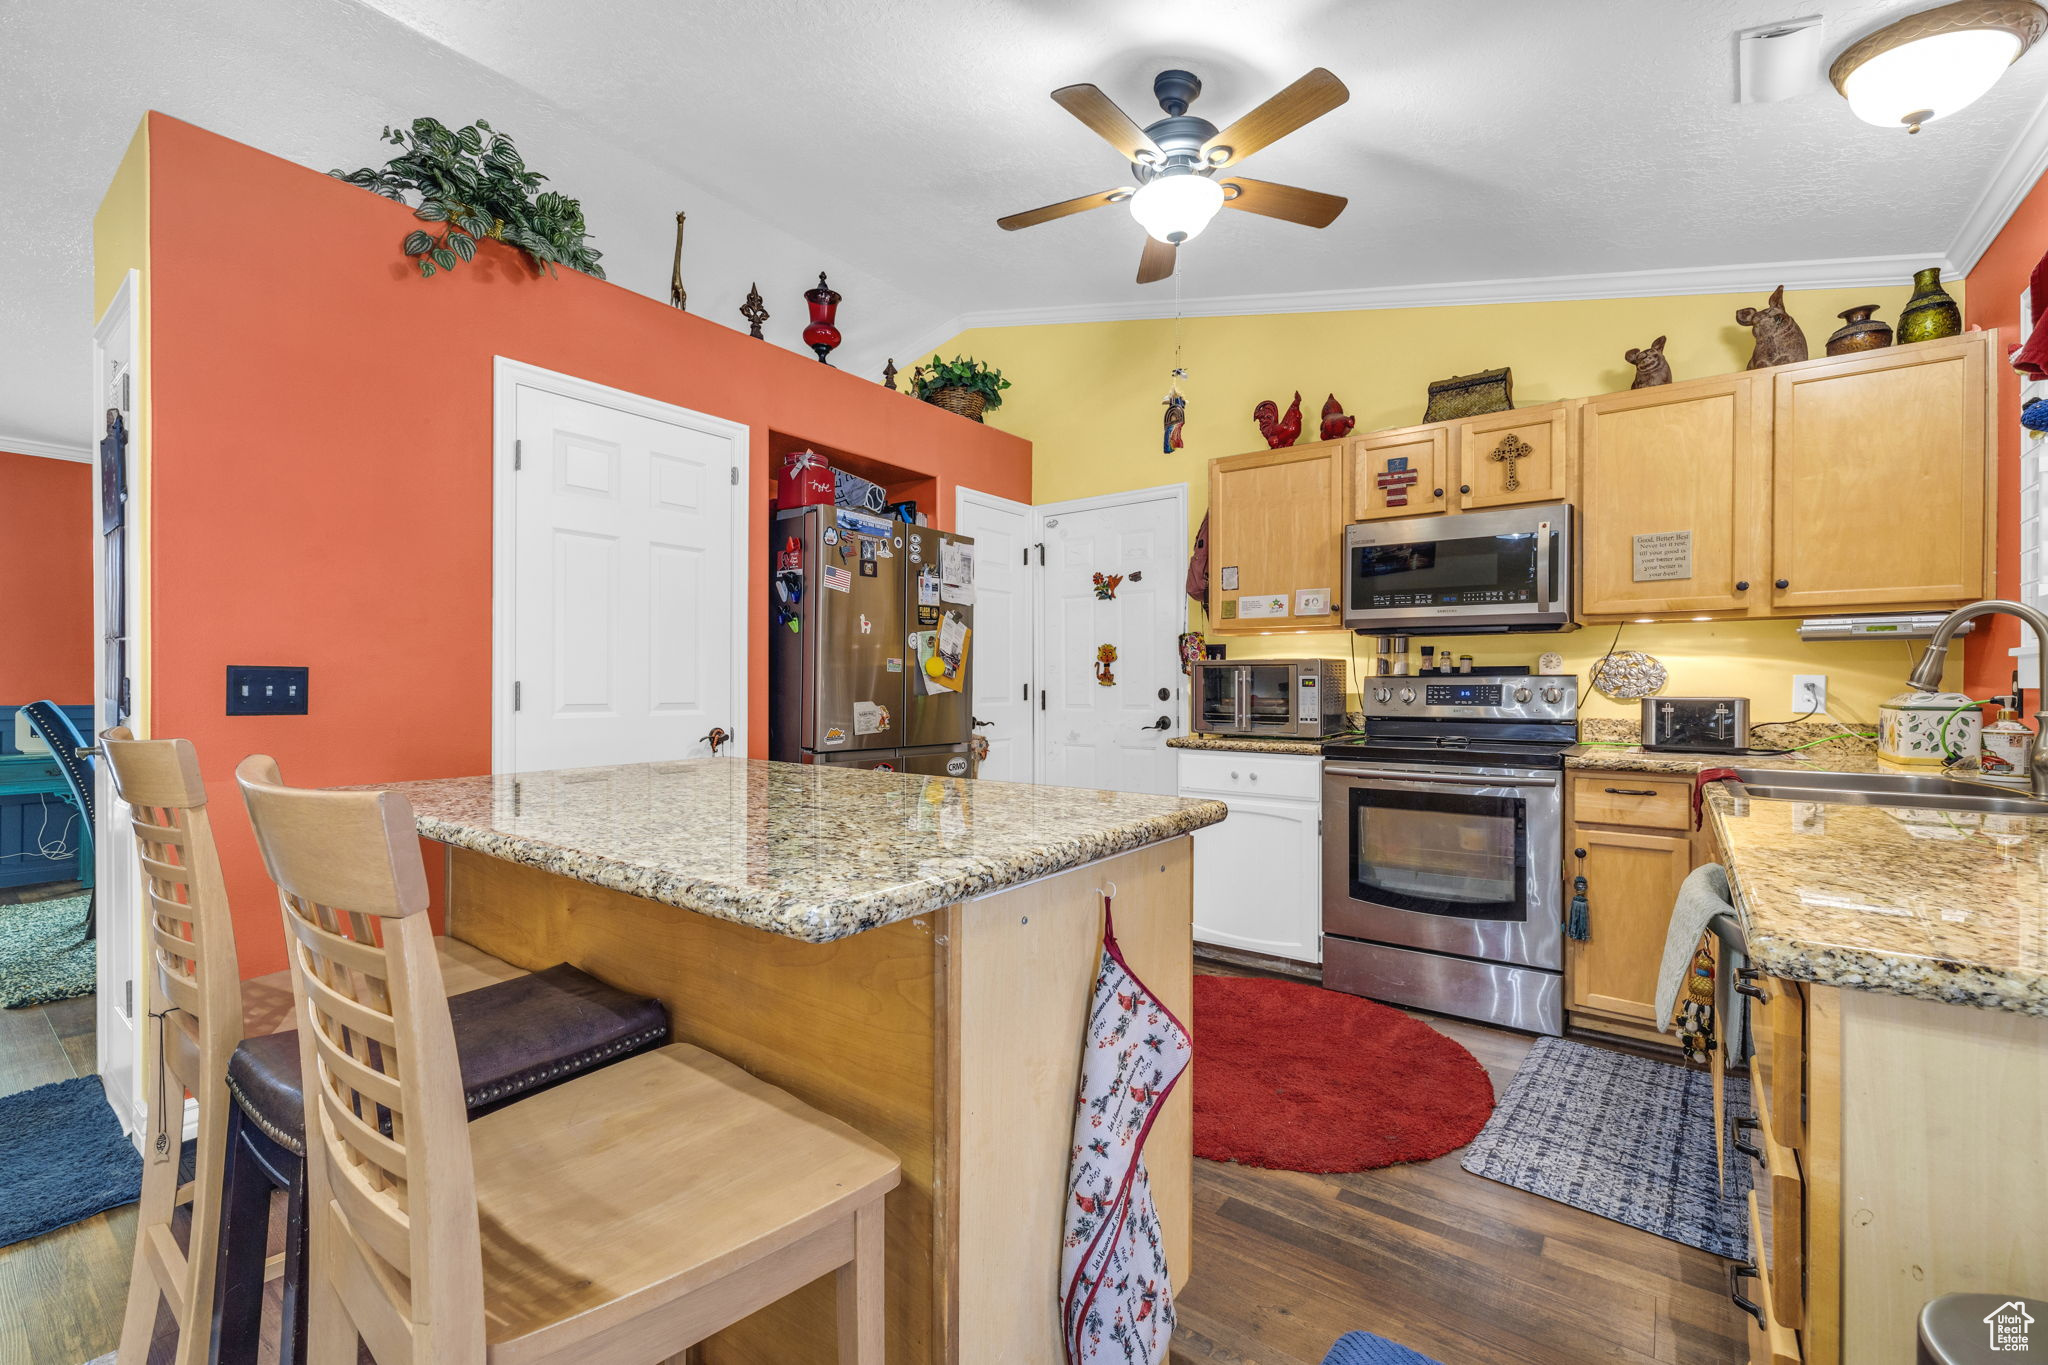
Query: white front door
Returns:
{"type": "Point", "coordinates": [1104, 723]}
{"type": "Point", "coordinates": [1004, 611]}
{"type": "Point", "coordinates": [621, 581]}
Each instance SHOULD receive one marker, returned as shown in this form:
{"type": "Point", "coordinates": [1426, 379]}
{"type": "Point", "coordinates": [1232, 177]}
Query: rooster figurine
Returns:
{"type": "Point", "coordinates": [1279, 431]}
{"type": "Point", "coordinates": [1336, 423]}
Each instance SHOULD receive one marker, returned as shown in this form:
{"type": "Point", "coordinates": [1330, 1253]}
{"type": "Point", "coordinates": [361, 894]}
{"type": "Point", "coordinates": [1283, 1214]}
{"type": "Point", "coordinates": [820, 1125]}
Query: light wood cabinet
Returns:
{"type": "Point", "coordinates": [1276, 526]}
{"type": "Point", "coordinates": [1878, 477]}
{"type": "Point", "coordinates": [1849, 483]}
{"type": "Point", "coordinates": [1629, 836]}
{"type": "Point", "coordinates": [1376, 467]}
{"type": "Point", "coordinates": [1510, 458]}
{"type": "Point", "coordinates": [1681, 459]}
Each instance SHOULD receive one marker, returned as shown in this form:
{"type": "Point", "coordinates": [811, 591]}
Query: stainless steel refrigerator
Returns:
{"type": "Point", "coordinates": [860, 604]}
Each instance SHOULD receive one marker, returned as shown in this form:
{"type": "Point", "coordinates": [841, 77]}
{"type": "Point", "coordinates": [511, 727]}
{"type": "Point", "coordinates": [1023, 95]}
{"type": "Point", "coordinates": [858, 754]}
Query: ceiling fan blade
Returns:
{"type": "Point", "coordinates": [1157, 262]}
{"type": "Point", "coordinates": [1310, 208]}
{"type": "Point", "coordinates": [1065, 208]}
{"type": "Point", "coordinates": [1088, 104]}
{"type": "Point", "coordinates": [1307, 99]}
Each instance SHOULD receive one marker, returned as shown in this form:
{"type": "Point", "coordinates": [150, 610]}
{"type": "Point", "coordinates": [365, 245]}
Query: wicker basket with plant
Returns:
{"type": "Point", "coordinates": [966, 387]}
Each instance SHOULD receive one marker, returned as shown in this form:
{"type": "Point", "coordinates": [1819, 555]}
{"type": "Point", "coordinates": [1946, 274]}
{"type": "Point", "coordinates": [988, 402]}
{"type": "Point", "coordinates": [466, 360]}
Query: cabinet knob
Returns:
{"type": "Point", "coordinates": [1578, 853]}
{"type": "Point", "coordinates": [1439, 492]}
{"type": "Point", "coordinates": [1464, 488]}
{"type": "Point", "coordinates": [1742, 585]}
{"type": "Point", "coordinates": [1784, 582]}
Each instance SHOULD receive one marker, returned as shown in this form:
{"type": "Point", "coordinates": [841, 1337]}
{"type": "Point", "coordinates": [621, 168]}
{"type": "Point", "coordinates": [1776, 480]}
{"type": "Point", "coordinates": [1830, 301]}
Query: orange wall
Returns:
{"type": "Point", "coordinates": [321, 454]}
{"type": "Point", "coordinates": [46, 573]}
{"type": "Point", "coordinates": [1993, 301]}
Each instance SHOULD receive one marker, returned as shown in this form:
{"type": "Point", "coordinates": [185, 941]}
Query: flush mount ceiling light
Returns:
{"type": "Point", "coordinates": [1928, 65]}
{"type": "Point", "coordinates": [1184, 167]}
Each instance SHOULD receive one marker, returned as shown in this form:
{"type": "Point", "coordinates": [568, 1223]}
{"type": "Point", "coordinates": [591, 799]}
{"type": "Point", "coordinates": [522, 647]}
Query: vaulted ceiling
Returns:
{"type": "Point", "coordinates": [1490, 149]}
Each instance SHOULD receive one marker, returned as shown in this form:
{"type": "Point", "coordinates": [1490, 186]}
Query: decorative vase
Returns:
{"type": "Point", "coordinates": [1860, 331]}
{"type": "Point", "coordinates": [1930, 313]}
{"type": "Point", "coordinates": [966, 403]}
{"type": "Point", "coordinates": [821, 336]}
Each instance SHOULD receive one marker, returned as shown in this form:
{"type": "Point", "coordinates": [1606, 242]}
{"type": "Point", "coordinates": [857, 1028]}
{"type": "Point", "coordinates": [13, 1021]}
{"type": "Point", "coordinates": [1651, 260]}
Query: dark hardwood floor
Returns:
{"type": "Point", "coordinates": [1460, 1268]}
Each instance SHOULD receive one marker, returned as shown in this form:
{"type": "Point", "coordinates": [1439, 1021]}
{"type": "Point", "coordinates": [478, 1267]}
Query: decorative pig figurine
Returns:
{"type": "Point", "coordinates": [1778, 338]}
{"type": "Point", "coordinates": [1652, 368]}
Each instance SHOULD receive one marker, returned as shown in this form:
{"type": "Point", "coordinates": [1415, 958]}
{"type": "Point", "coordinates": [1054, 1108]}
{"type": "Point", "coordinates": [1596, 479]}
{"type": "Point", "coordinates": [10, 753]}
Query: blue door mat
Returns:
{"type": "Point", "coordinates": [63, 1158]}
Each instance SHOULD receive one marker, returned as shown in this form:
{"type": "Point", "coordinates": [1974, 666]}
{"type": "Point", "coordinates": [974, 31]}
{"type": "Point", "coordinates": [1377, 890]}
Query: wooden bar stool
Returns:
{"type": "Point", "coordinates": [192, 998]}
{"type": "Point", "coordinates": [622, 1217]}
{"type": "Point", "coordinates": [518, 1032]}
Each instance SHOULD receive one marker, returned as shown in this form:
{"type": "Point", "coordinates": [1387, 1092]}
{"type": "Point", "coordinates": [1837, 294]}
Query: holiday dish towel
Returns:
{"type": "Point", "coordinates": [1116, 1301]}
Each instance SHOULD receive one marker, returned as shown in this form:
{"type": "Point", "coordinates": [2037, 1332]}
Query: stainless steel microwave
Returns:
{"type": "Point", "coordinates": [1509, 568]}
{"type": "Point", "coordinates": [1297, 698]}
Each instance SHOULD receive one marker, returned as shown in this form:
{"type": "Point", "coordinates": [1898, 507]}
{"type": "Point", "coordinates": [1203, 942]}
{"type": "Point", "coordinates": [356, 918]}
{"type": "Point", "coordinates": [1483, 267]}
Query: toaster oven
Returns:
{"type": "Point", "coordinates": [1294, 698]}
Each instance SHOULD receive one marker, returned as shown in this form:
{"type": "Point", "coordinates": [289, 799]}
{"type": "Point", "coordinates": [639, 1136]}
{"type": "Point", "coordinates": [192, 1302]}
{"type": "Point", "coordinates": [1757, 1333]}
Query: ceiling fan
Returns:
{"type": "Point", "coordinates": [1179, 163]}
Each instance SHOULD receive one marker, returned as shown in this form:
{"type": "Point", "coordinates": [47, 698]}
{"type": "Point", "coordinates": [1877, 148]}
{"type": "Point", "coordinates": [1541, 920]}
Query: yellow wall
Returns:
{"type": "Point", "coordinates": [120, 243]}
{"type": "Point", "coordinates": [1087, 395]}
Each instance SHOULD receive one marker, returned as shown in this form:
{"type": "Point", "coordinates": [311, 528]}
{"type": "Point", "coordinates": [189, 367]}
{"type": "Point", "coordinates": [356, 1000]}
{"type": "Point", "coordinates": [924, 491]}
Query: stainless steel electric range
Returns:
{"type": "Point", "coordinates": [1443, 842]}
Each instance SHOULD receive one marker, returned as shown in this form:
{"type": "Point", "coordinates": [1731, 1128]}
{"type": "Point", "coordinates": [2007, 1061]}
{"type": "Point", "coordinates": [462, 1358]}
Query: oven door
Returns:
{"type": "Point", "coordinates": [1453, 860]}
{"type": "Point", "coordinates": [1269, 699]}
{"type": "Point", "coordinates": [1219, 699]}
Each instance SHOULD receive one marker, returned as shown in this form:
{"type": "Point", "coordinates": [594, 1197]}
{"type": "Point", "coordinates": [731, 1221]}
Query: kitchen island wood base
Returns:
{"type": "Point", "coordinates": [953, 1037]}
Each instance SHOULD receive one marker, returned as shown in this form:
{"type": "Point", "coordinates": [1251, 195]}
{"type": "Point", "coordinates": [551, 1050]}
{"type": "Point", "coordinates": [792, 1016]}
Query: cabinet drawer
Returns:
{"type": "Point", "coordinates": [1780, 1191]}
{"type": "Point", "coordinates": [1628, 799]}
{"type": "Point", "coordinates": [1777, 1025]}
{"type": "Point", "coordinates": [1771, 1342]}
{"type": "Point", "coordinates": [1283, 777]}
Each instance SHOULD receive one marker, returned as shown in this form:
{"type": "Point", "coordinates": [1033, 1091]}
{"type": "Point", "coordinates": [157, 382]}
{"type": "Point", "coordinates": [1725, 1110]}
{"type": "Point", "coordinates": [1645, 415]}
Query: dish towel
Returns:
{"type": "Point", "coordinates": [1116, 1300]}
{"type": "Point", "coordinates": [1692, 994]}
{"type": "Point", "coordinates": [2031, 359]}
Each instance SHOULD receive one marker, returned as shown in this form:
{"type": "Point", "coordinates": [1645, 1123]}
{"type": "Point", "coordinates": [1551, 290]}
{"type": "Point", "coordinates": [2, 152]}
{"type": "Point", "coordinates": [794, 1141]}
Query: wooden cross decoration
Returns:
{"type": "Point", "coordinates": [1507, 452]}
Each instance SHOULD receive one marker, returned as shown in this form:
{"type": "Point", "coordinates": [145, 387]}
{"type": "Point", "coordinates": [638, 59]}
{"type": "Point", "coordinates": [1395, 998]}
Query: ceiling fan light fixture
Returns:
{"type": "Point", "coordinates": [1929, 65]}
{"type": "Point", "coordinates": [1174, 208]}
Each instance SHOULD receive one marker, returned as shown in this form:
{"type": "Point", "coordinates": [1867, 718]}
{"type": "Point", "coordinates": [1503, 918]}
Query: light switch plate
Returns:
{"type": "Point", "coordinates": [1809, 693]}
{"type": "Point", "coordinates": [1312, 602]}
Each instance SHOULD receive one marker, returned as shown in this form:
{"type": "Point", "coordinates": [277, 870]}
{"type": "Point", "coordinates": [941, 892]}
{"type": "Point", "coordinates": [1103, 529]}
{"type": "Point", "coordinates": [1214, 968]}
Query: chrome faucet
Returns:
{"type": "Point", "coordinates": [1927, 673]}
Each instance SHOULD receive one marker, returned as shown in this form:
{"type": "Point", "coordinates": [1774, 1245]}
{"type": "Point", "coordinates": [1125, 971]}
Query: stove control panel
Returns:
{"type": "Point", "coordinates": [1535, 697]}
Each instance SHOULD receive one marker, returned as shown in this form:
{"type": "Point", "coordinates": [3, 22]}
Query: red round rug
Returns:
{"type": "Point", "coordinates": [1296, 1078]}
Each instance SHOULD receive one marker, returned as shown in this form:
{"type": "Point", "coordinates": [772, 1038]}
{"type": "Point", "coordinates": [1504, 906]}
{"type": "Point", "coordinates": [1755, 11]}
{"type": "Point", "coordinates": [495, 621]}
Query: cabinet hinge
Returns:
{"type": "Point", "coordinates": [518, 455]}
{"type": "Point", "coordinates": [1041, 554]}
{"type": "Point", "coordinates": [735, 476]}
{"type": "Point", "coordinates": [515, 696]}
{"type": "Point", "coordinates": [1041, 701]}
{"type": "Point", "coordinates": [1027, 692]}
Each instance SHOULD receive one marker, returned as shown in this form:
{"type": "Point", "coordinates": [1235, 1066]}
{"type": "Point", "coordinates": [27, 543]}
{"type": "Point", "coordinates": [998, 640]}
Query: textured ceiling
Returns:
{"type": "Point", "coordinates": [1489, 140]}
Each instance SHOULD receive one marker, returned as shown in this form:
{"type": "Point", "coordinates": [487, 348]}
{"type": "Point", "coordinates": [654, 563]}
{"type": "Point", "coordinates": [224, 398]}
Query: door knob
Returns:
{"type": "Point", "coordinates": [981, 724]}
{"type": "Point", "coordinates": [1161, 724]}
{"type": "Point", "coordinates": [716, 739]}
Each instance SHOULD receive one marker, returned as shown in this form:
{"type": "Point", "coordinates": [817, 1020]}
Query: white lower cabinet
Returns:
{"type": "Point", "coordinates": [1259, 874]}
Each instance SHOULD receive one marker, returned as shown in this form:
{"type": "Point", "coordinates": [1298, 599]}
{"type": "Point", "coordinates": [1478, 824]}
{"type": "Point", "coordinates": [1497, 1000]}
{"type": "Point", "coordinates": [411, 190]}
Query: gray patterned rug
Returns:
{"type": "Point", "coordinates": [44, 953]}
{"type": "Point", "coordinates": [1625, 1137]}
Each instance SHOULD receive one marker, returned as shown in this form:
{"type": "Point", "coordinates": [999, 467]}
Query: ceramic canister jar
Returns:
{"type": "Point", "coordinates": [1910, 728]}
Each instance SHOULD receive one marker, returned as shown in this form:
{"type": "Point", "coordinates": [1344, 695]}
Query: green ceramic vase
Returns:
{"type": "Point", "coordinates": [1930, 313]}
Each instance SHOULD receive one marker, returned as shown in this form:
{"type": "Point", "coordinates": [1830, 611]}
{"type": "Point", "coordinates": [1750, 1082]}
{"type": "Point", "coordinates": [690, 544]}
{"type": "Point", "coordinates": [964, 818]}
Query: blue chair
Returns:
{"type": "Point", "coordinates": [66, 747]}
{"type": "Point", "coordinates": [1364, 1348]}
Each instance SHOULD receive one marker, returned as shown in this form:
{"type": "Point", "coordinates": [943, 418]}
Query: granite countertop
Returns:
{"type": "Point", "coordinates": [1238, 744]}
{"type": "Point", "coordinates": [811, 852]}
{"type": "Point", "coordinates": [1945, 905]}
{"type": "Point", "coordinates": [1607, 744]}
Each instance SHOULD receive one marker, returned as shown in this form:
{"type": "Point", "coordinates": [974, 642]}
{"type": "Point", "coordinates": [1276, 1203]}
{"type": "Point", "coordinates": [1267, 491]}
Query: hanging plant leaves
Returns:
{"type": "Point", "coordinates": [474, 178]}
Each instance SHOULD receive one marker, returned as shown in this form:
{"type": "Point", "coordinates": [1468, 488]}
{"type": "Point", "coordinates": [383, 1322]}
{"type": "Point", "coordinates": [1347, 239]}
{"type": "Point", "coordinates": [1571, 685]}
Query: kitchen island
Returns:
{"type": "Point", "coordinates": [911, 955]}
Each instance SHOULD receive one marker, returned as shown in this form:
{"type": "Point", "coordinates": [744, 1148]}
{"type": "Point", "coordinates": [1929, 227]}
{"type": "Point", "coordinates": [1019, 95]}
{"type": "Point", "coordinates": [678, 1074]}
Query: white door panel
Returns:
{"type": "Point", "coordinates": [1004, 608]}
{"type": "Point", "coordinates": [1095, 734]}
{"type": "Point", "coordinates": [625, 624]}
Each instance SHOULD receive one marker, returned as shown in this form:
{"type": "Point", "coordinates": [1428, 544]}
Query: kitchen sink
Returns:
{"type": "Point", "coordinates": [1889, 789]}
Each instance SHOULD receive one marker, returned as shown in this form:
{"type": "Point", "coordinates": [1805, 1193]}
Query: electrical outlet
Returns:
{"type": "Point", "coordinates": [1809, 693]}
{"type": "Point", "coordinates": [266, 691]}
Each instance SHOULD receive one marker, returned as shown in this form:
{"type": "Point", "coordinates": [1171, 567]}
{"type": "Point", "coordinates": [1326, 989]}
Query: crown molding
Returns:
{"type": "Point", "coordinates": [2010, 184]}
{"type": "Point", "coordinates": [49, 450]}
{"type": "Point", "coordinates": [1847, 273]}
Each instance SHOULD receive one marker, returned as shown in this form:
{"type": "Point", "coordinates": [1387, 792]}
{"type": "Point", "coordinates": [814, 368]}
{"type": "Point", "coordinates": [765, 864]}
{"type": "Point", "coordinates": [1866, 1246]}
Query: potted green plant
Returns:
{"type": "Point", "coordinates": [473, 180]}
{"type": "Point", "coordinates": [966, 387]}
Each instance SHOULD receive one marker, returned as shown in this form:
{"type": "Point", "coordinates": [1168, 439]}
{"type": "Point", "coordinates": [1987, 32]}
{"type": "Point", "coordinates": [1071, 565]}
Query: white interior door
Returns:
{"type": "Point", "coordinates": [1004, 613]}
{"type": "Point", "coordinates": [1100, 723]}
{"type": "Point", "coordinates": [622, 628]}
{"type": "Point", "coordinates": [117, 385]}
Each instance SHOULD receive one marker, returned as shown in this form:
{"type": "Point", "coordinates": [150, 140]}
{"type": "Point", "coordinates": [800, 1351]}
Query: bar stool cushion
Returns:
{"type": "Point", "coordinates": [512, 1038]}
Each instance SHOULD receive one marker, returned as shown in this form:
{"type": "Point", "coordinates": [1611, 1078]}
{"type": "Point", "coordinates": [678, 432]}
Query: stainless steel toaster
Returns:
{"type": "Point", "coordinates": [1696, 725]}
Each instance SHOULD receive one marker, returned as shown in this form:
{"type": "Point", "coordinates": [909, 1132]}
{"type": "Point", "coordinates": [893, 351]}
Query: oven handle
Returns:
{"type": "Point", "coordinates": [1441, 779]}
